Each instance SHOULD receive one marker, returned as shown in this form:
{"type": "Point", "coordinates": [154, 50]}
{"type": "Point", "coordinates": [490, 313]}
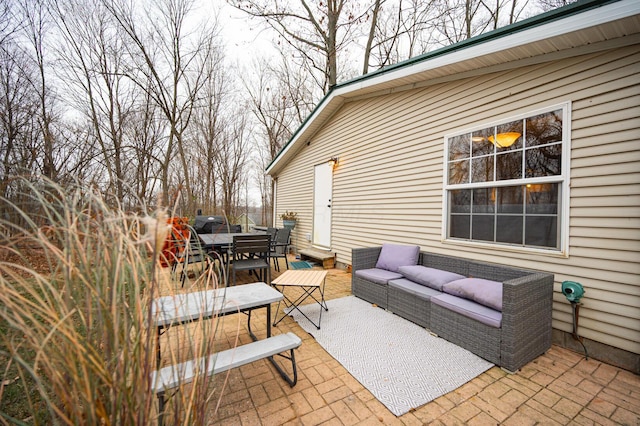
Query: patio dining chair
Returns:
{"type": "Point", "coordinates": [224, 229]}
{"type": "Point", "coordinates": [280, 247]}
{"type": "Point", "coordinates": [272, 232]}
{"type": "Point", "coordinates": [189, 251]}
{"type": "Point", "coordinates": [251, 253]}
{"type": "Point", "coordinates": [235, 229]}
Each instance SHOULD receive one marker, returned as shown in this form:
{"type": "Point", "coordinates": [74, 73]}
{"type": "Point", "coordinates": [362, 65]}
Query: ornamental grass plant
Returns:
{"type": "Point", "coordinates": [75, 342]}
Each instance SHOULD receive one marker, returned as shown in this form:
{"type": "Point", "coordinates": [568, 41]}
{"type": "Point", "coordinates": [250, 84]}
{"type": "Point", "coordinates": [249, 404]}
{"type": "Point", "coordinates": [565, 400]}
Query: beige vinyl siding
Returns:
{"type": "Point", "coordinates": [388, 185]}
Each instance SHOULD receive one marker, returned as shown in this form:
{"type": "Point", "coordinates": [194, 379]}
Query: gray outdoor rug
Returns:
{"type": "Point", "coordinates": [399, 362]}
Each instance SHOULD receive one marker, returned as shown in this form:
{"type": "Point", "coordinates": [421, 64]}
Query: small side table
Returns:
{"type": "Point", "coordinates": [309, 281]}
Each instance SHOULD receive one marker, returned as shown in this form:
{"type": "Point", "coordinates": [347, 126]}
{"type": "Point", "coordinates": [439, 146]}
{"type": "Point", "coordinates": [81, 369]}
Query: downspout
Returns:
{"type": "Point", "coordinates": [275, 202]}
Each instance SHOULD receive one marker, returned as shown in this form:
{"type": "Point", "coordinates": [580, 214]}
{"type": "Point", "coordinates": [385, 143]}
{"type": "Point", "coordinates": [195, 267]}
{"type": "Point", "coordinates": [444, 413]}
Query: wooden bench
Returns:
{"type": "Point", "coordinates": [326, 257]}
{"type": "Point", "coordinates": [172, 376]}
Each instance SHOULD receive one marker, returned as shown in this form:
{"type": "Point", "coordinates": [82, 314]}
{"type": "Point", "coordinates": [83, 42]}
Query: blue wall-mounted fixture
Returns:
{"type": "Point", "coordinates": [574, 291]}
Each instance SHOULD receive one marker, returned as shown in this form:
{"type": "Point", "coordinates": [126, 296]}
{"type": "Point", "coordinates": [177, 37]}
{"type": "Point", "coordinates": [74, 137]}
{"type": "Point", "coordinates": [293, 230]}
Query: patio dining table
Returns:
{"type": "Point", "coordinates": [221, 242]}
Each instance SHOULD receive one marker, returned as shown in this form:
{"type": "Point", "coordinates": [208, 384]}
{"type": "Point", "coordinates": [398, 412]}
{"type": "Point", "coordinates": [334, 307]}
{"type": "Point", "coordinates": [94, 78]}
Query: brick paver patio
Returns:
{"type": "Point", "coordinates": [560, 387]}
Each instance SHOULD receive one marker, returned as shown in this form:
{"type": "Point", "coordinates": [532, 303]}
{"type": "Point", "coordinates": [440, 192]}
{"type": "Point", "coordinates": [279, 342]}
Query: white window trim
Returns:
{"type": "Point", "coordinates": [564, 178]}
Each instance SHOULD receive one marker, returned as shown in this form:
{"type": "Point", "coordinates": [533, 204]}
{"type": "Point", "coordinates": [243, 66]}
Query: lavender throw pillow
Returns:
{"type": "Point", "coordinates": [485, 292]}
{"type": "Point", "coordinates": [392, 256]}
{"type": "Point", "coordinates": [430, 277]}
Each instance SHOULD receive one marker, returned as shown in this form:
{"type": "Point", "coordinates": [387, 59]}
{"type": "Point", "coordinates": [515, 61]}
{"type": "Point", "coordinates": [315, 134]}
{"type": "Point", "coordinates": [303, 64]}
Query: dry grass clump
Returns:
{"type": "Point", "coordinates": [75, 346]}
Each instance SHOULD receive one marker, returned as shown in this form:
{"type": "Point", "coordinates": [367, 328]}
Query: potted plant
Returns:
{"type": "Point", "coordinates": [289, 219]}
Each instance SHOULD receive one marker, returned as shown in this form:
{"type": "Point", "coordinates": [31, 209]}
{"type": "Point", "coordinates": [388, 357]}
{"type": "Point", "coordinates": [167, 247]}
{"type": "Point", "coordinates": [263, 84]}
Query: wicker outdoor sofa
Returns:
{"type": "Point", "coordinates": [509, 338]}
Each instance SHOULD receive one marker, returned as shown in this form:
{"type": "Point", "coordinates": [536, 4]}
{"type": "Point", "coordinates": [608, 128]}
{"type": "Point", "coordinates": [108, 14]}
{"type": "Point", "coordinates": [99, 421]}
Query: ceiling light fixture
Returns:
{"type": "Point", "coordinates": [504, 140]}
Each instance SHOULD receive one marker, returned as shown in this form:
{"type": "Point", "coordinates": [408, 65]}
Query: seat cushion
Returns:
{"type": "Point", "coordinates": [431, 277]}
{"type": "Point", "coordinates": [248, 264]}
{"type": "Point", "coordinates": [392, 256]}
{"type": "Point", "coordinates": [418, 290]}
{"type": "Point", "coordinates": [378, 276]}
{"type": "Point", "coordinates": [469, 309]}
{"type": "Point", "coordinates": [485, 292]}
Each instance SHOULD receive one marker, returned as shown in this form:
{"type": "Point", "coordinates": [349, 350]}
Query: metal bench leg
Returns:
{"type": "Point", "coordinates": [161, 404]}
{"type": "Point", "coordinates": [292, 381]}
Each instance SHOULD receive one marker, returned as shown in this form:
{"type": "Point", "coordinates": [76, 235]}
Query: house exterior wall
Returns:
{"type": "Point", "coordinates": [388, 186]}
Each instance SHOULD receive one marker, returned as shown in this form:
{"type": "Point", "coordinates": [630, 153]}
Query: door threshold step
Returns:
{"type": "Point", "coordinates": [328, 258]}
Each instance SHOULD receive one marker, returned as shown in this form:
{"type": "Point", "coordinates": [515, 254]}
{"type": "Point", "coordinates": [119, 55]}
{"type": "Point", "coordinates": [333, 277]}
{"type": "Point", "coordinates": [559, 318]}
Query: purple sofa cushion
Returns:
{"type": "Point", "coordinates": [485, 292]}
{"type": "Point", "coordinates": [431, 277]}
{"type": "Point", "coordinates": [469, 309]}
{"type": "Point", "coordinates": [378, 276]}
{"type": "Point", "coordinates": [392, 256]}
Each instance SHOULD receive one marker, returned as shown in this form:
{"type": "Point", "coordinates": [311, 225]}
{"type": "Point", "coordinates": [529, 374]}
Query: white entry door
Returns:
{"type": "Point", "coordinates": [322, 190]}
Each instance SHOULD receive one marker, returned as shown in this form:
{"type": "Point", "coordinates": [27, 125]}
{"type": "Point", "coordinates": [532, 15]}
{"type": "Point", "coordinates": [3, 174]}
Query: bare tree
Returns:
{"type": "Point", "coordinates": [18, 106]}
{"type": "Point", "coordinates": [9, 25]}
{"type": "Point", "coordinates": [311, 29]}
{"type": "Point", "coordinates": [371, 36]}
{"type": "Point", "coordinates": [77, 154]}
{"type": "Point", "coordinates": [548, 5]}
{"type": "Point", "coordinates": [403, 29]}
{"type": "Point", "coordinates": [230, 161]}
{"type": "Point", "coordinates": [35, 22]}
{"type": "Point", "coordinates": [33, 138]}
{"type": "Point", "coordinates": [275, 97]}
{"type": "Point", "coordinates": [93, 57]}
{"type": "Point", "coordinates": [455, 20]}
{"type": "Point", "coordinates": [496, 11]}
{"type": "Point", "coordinates": [146, 135]}
{"type": "Point", "coordinates": [462, 19]}
{"type": "Point", "coordinates": [272, 104]}
{"type": "Point", "coordinates": [167, 61]}
{"type": "Point", "coordinates": [208, 134]}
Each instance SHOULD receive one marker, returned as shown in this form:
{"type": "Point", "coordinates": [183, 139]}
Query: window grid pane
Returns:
{"type": "Point", "coordinates": [480, 144]}
{"type": "Point", "coordinates": [543, 161]}
{"type": "Point", "coordinates": [509, 230]}
{"type": "Point", "coordinates": [482, 169]}
{"type": "Point", "coordinates": [458, 147]}
{"type": "Point", "coordinates": [458, 172]}
{"type": "Point", "coordinates": [544, 129]}
{"type": "Point", "coordinates": [482, 227]}
{"type": "Point", "coordinates": [506, 132]}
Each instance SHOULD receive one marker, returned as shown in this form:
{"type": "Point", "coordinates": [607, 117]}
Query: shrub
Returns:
{"type": "Point", "coordinates": [73, 329]}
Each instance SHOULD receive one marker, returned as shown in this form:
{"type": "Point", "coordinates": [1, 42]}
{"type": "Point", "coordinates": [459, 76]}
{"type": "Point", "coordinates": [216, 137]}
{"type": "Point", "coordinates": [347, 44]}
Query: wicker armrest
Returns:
{"type": "Point", "coordinates": [526, 318]}
{"type": "Point", "coordinates": [364, 258]}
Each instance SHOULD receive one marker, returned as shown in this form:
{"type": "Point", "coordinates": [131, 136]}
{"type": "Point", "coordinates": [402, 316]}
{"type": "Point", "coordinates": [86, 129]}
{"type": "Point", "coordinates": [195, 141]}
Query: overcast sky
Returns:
{"type": "Point", "coordinates": [243, 38]}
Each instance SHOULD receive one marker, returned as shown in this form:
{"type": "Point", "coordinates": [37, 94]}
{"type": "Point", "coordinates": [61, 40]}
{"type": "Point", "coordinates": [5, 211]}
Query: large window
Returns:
{"type": "Point", "coordinates": [505, 182]}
